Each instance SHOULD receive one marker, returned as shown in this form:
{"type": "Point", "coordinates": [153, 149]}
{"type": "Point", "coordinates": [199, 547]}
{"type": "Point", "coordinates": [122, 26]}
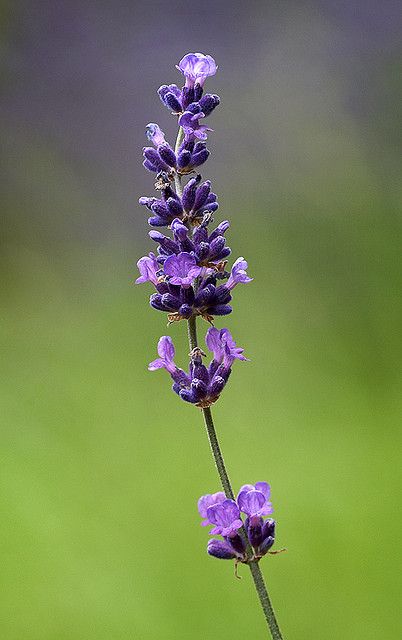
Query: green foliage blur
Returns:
{"type": "Point", "coordinates": [102, 465]}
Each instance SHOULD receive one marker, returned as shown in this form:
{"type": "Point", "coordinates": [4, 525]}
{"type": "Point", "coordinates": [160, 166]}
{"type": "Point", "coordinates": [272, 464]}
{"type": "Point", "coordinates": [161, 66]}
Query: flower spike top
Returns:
{"type": "Point", "coordinates": [196, 67]}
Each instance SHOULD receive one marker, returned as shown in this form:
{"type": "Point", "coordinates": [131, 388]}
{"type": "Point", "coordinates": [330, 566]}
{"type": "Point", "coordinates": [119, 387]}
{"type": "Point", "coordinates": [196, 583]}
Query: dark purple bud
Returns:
{"type": "Point", "coordinates": [220, 310]}
{"type": "Point", "coordinates": [162, 287]}
{"type": "Point", "coordinates": [180, 230]}
{"type": "Point", "coordinates": [209, 102]}
{"type": "Point", "coordinates": [174, 206]}
{"type": "Point", "coordinates": [254, 530]}
{"type": "Point", "coordinates": [184, 159]}
{"type": "Point", "coordinates": [220, 549]}
{"type": "Point", "coordinates": [187, 96]}
{"type": "Point", "coordinates": [202, 252]}
{"type": "Point", "coordinates": [268, 529]}
{"type": "Point", "coordinates": [217, 246]}
{"type": "Point", "coordinates": [186, 310]}
{"type": "Point", "coordinates": [156, 221]}
{"type": "Point", "coordinates": [199, 389]}
{"type": "Point", "coordinates": [194, 108]}
{"type": "Point", "coordinates": [204, 296]}
{"type": "Point", "coordinates": [188, 395]}
{"type": "Point", "coordinates": [201, 372]}
{"type": "Point", "coordinates": [200, 235]}
{"type": "Point", "coordinates": [156, 302]}
{"type": "Point", "coordinates": [265, 546]}
{"type": "Point", "coordinates": [167, 244]}
{"type": "Point", "coordinates": [237, 543]}
{"type": "Point", "coordinates": [220, 230]}
{"type": "Point", "coordinates": [222, 294]}
{"type": "Point", "coordinates": [167, 154]}
{"type": "Point", "coordinates": [197, 92]}
{"type": "Point", "coordinates": [153, 157]}
{"type": "Point", "coordinates": [216, 386]}
{"type": "Point", "coordinates": [203, 192]}
{"type": "Point", "coordinates": [170, 302]}
{"type": "Point", "coordinates": [197, 159]}
{"type": "Point", "coordinates": [149, 166]}
{"type": "Point", "coordinates": [189, 193]}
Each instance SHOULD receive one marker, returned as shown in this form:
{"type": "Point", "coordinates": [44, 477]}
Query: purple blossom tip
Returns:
{"type": "Point", "coordinates": [253, 500]}
{"type": "Point", "coordinates": [182, 269]}
{"type": "Point", "coordinates": [220, 549]}
{"type": "Point", "coordinates": [222, 345]}
{"type": "Point", "coordinates": [166, 354]}
{"type": "Point", "coordinates": [238, 274]}
{"type": "Point", "coordinates": [196, 67]}
{"type": "Point", "coordinates": [148, 267]}
{"type": "Point", "coordinates": [155, 134]}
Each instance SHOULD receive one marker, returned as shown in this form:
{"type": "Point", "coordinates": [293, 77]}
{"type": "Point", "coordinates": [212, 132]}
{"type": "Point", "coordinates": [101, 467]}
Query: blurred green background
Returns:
{"type": "Point", "coordinates": [101, 464]}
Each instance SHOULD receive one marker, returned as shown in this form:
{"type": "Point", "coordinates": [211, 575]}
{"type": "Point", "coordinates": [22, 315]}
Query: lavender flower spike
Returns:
{"type": "Point", "coordinates": [191, 281]}
{"type": "Point", "coordinates": [196, 67]}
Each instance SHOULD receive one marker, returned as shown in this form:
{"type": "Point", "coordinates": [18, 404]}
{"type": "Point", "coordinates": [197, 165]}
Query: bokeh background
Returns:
{"type": "Point", "coordinates": [101, 465]}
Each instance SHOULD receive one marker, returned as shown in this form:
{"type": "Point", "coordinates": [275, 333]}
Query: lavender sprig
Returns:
{"type": "Point", "coordinates": [190, 278]}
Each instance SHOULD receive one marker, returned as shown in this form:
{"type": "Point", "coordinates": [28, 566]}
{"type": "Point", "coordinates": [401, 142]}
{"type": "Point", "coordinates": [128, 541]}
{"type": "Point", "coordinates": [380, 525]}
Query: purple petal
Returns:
{"type": "Point", "coordinates": [214, 343]}
{"type": "Point", "coordinates": [251, 502]}
{"type": "Point", "coordinates": [207, 501]}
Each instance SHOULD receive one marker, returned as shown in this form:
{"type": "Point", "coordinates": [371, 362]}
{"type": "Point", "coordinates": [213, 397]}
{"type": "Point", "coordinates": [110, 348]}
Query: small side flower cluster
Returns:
{"type": "Point", "coordinates": [188, 268]}
{"type": "Point", "coordinates": [201, 385]}
{"type": "Point", "coordinates": [225, 516]}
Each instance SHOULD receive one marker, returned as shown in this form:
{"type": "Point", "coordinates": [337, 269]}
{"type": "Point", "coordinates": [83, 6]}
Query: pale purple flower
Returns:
{"type": "Point", "coordinates": [238, 274]}
{"type": "Point", "coordinates": [226, 518]}
{"type": "Point", "coordinates": [191, 126]}
{"type": "Point", "coordinates": [208, 501]}
{"type": "Point", "coordinates": [196, 67]}
{"type": "Point", "coordinates": [182, 269]}
{"type": "Point", "coordinates": [155, 134]}
{"type": "Point", "coordinates": [253, 500]}
{"type": "Point", "coordinates": [148, 268]}
{"type": "Point", "coordinates": [224, 348]}
{"type": "Point", "coordinates": [166, 354]}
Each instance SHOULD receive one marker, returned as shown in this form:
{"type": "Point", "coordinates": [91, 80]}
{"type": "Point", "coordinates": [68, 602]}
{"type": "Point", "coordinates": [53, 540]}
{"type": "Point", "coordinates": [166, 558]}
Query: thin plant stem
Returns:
{"type": "Point", "coordinates": [221, 468]}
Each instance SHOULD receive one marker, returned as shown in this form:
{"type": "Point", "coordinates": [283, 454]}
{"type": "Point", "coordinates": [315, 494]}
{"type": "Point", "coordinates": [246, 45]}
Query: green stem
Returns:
{"type": "Point", "coordinates": [227, 487]}
{"type": "Point", "coordinates": [220, 464]}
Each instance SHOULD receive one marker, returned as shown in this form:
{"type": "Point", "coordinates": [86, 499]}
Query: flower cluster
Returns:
{"type": "Point", "coordinates": [201, 385]}
{"type": "Point", "coordinates": [225, 517]}
{"type": "Point", "coordinates": [188, 268]}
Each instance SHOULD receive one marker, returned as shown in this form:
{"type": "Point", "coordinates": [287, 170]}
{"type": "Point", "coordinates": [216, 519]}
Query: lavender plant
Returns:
{"type": "Point", "coordinates": [190, 276]}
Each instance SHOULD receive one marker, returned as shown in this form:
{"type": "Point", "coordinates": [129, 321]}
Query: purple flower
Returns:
{"type": "Point", "coordinates": [166, 354]}
{"type": "Point", "coordinates": [226, 518]}
{"type": "Point", "coordinates": [182, 269]}
{"type": "Point", "coordinates": [155, 134]}
{"type": "Point", "coordinates": [238, 274]}
{"type": "Point", "coordinates": [208, 501]}
{"type": "Point", "coordinates": [196, 67]}
{"type": "Point", "coordinates": [191, 126]}
{"type": "Point", "coordinates": [148, 267]}
{"type": "Point", "coordinates": [253, 499]}
{"type": "Point", "coordinates": [221, 343]}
